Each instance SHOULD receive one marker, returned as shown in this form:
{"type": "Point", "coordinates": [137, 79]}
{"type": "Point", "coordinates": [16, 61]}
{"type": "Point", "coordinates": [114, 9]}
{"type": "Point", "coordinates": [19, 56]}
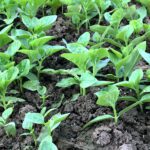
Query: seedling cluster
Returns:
{"type": "Point", "coordinates": [116, 37]}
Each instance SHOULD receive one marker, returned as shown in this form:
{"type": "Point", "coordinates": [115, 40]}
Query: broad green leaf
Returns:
{"type": "Point", "coordinates": [40, 41]}
{"type": "Point", "coordinates": [137, 25]}
{"type": "Point", "coordinates": [10, 129]}
{"type": "Point", "coordinates": [87, 80]}
{"type": "Point", "coordinates": [13, 48]}
{"type": "Point", "coordinates": [56, 120]}
{"type": "Point", "coordinates": [145, 98]}
{"type": "Point", "coordinates": [146, 56]}
{"type": "Point", "coordinates": [23, 67]}
{"type": "Point", "coordinates": [6, 114]}
{"type": "Point", "coordinates": [116, 18]}
{"type": "Point", "coordinates": [146, 90]}
{"type": "Point", "coordinates": [4, 39]}
{"type": "Point", "coordinates": [47, 144]}
{"type": "Point", "coordinates": [134, 58]}
{"type": "Point", "coordinates": [84, 39]}
{"type": "Point", "coordinates": [32, 118]}
{"type": "Point", "coordinates": [136, 77]}
{"type": "Point", "coordinates": [79, 60]}
{"type": "Point", "coordinates": [125, 84]}
{"type": "Point", "coordinates": [76, 48]}
{"type": "Point", "coordinates": [108, 97]}
{"type": "Point", "coordinates": [31, 85]}
{"type": "Point", "coordinates": [67, 82]}
{"type": "Point", "coordinates": [124, 33]}
{"type": "Point", "coordinates": [45, 23]}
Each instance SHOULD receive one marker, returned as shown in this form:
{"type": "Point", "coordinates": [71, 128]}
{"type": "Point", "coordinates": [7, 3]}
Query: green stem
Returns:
{"type": "Point", "coordinates": [115, 115]}
{"type": "Point", "coordinates": [138, 97]}
{"type": "Point", "coordinates": [34, 137]}
{"type": "Point", "coordinates": [83, 91]}
{"type": "Point", "coordinates": [20, 85]}
{"type": "Point", "coordinates": [94, 70]}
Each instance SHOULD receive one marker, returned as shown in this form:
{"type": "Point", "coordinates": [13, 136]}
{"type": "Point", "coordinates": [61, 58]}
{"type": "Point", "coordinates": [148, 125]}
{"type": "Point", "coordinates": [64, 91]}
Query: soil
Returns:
{"type": "Point", "coordinates": [131, 133]}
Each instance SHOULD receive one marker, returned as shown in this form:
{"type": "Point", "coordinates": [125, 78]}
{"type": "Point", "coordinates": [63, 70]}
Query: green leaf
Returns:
{"type": "Point", "coordinates": [40, 41]}
{"type": "Point", "coordinates": [134, 58]}
{"type": "Point", "coordinates": [6, 114]}
{"type": "Point", "coordinates": [45, 23]}
{"type": "Point", "coordinates": [98, 119]}
{"type": "Point", "coordinates": [13, 48]}
{"type": "Point", "coordinates": [84, 39]}
{"type": "Point", "coordinates": [10, 129]}
{"type": "Point", "coordinates": [124, 33]}
{"type": "Point", "coordinates": [4, 39]}
{"type": "Point", "coordinates": [23, 67]}
{"type": "Point", "coordinates": [145, 98]}
{"type": "Point", "coordinates": [146, 56]}
{"type": "Point", "coordinates": [125, 84]}
{"type": "Point", "coordinates": [76, 48]}
{"type": "Point", "coordinates": [108, 97]}
{"type": "Point", "coordinates": [136, 77]}
{"type": "Point", "coordinates": [129, 108]}
{"type": "Point", "coordinates": [32, 118]}
{"type": "Point", "coordinates": [87, 80]}
{"type": "Point", "coordinates": [116, 18]}
{"type": "Point", "coordinates": [146, 90]}
{"type": "Point", "coordinates": [79, 60]}
{"type": "Point", "coordinates": [31, 85]}
{"type": "Point", "coordinates": [67, 82]}
{"type": "Point", "coordinates": [128, 98]}
{"type": "Point", "coordinates": [56, 120]}
{"type": "Point", "coordinates": [47, 144]}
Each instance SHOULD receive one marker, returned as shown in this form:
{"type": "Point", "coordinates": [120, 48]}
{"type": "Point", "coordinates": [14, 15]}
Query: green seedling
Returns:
{"type": "Point", "coordinates": [6, 78]}
{"type": "Point", "coordinates": [126, 60]}
{"type": "Point", "coordinates": [108, 98]}
{"type": "Point", "coordinates": [36, 26]}
{"type": "Point", "coordinates": [24, 68]}
{"type": "Point", "coordinates": [40, 54]}
{"type": "Point", "coordinates": [9, 127]}
{"type": "Point", "coordinates": [134, 84]}
{"type": "Point", "coordinates": [44, 139]}
{"type": "Point", "coordinates": [34, 85]}
{"type": "Point", "coordinates": [81, 12]}
{"type": "Point", "coordinates": [9, 9]}
{"type": "Point", "coordinates": [29, 7]}
{"type": "Point", "coordinates": [85, 58]}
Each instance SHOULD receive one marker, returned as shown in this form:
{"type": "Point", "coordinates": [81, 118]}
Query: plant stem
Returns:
{"type": "Point", "coordinates": [34, 137]}
{"type": "Point", "coordinates": [84, 91]}
{"type": "Point", "coordinates": [115, 115]}
{"type": "Point", "coordinates": [138, 97]}
{"type": "Point", "coordinates": [4, 100]}
{"type": "Point", "coordinates": [20, 85]}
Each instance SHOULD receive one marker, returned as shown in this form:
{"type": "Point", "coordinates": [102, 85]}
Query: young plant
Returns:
{"type": "Point", "coordinates": [134, 84]}
{"type": "Point", "coordinates": [34, 85]}
{"type": "Point", "coordinates": [38, 26]}
{"type": "Point", "coordinates": [24, 68]}
{"type": "Point", "coordinates": [9, 127]}
{"type": "Point", "coordinates": [9, 9]}
{"type": "Point", "coordinates": [81, 12]}
{"type": "Point", "coordinates": [54, 4]}
{"type": "Point", "coordinates": [29, 7]}
{"type": "Point", "coordinates": [38, 55]}
{"type": "Point", "coordinates": [108, 98]}
{"type": "Point", "coordinates": [44, 139]}
{"type": "Point", "coordinates": [126, 60]}
{"type": "Point", "coordinates": [6, 78]}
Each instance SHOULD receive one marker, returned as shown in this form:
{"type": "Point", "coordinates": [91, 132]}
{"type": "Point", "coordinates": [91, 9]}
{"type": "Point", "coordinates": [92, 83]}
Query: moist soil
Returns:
{"type": "Point", "coordinates": [131, 133]}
